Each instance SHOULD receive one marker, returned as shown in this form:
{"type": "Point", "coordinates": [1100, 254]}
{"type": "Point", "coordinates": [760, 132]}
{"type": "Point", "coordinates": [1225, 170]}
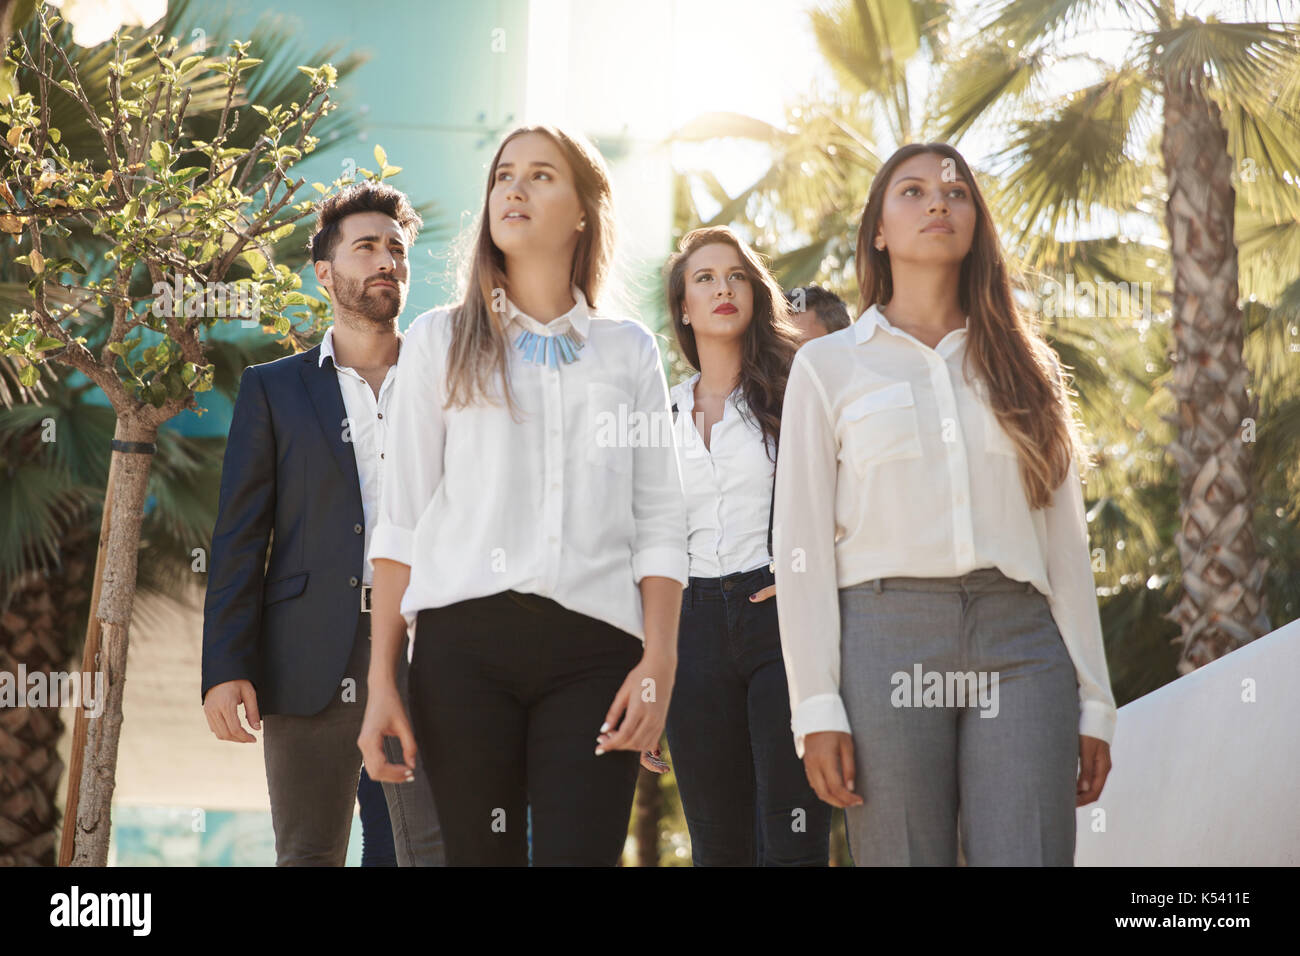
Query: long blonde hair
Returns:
{"type": "Point", "coordinates": [478, 340]}
{"type": "Point", "coordinates": [1028, 387]}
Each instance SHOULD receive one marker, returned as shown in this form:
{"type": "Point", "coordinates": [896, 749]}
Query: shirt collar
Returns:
{"type": "Point", "coordinates": [685, 395]}
{"type": "Point", "coordinates": [327, 347]}
{"type": "Point", "coordinates": [578, 318]}
{"type": "Point", "coordinates": [873, 318]}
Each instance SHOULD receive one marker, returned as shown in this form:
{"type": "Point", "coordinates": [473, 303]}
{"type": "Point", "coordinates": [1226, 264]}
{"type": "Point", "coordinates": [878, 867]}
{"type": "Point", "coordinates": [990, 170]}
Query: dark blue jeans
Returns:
{"type": "Point", "coordinates": [746, 798]}
{"type": "Point", "coordinates": [377, 847]}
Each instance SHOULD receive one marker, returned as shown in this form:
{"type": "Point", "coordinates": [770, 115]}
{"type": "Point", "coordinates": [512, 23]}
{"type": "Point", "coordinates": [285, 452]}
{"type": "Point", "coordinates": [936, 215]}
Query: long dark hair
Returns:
{"type": "Point", "coordinates": [1028, 387]}
{"type": "Point", "coordinates": [769, 343]}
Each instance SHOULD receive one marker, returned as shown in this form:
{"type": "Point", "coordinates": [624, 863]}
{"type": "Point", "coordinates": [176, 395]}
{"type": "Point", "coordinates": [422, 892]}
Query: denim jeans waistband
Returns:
{"type": "Point", "coordinates": [756, 579]}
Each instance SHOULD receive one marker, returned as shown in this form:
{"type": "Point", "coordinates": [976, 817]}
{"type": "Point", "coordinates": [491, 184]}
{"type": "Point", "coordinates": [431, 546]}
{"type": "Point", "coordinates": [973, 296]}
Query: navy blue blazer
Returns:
{"type": "Point", "coordinates": [289, 482]}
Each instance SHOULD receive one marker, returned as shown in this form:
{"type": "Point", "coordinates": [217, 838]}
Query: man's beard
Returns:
{"type": "Point", "coordinates": [375, 303]}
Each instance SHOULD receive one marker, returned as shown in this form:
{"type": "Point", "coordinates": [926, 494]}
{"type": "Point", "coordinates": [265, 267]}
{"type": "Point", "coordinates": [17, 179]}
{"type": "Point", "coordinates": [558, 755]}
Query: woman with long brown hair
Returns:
{"type": "Point", "coordinates": [744, 794]}
{"type": "Point", "coordinates": [938, 613]}
{"type": "Point", "coordinates": [539, 551]}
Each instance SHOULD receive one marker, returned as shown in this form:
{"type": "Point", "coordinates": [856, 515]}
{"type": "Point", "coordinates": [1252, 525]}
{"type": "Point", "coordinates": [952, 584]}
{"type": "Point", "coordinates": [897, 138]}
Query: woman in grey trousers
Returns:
{"type": "Point", "coordinates": [938, 613]}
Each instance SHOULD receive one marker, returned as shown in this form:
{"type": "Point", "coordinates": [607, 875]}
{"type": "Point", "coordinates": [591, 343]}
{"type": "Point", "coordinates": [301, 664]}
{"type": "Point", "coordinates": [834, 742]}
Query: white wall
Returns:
{"type": "Point", "coordinates": [1207, 768]}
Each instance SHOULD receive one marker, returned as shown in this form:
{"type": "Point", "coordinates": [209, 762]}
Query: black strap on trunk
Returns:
{"type": "Point", "coordinates": [134, 447]}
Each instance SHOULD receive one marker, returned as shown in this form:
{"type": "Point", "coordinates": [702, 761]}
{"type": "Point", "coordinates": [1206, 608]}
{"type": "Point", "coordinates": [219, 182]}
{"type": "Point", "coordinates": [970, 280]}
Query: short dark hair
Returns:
{"type": "Point", "coordinates": [367, 196]}
{"type": "Point", "coordinates": [830, 308]}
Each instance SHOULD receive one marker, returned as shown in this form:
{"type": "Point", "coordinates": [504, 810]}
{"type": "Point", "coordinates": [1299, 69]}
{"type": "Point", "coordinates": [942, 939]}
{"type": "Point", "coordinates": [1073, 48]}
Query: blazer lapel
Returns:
{"type": "Point", "coordinates": [323, 386]}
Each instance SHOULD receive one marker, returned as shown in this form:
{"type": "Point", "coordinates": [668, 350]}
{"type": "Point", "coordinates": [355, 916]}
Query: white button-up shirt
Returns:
{"type": "Point", "coordinates": [893, 465]}
{"type": "Point", "coordinates": [367, 429]}
{"type": "Point", "coordinates": [728, 486]}
{"type": "Point", "coordinates": [576, 502]}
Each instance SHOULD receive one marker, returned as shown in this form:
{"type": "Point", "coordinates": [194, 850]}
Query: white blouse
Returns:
{"type": "Point", "coordinates": [577, 502]}
{"type": "Point", "coordinates": [893, 465]}
{"type": "Point", "coordinates": [728, 486]}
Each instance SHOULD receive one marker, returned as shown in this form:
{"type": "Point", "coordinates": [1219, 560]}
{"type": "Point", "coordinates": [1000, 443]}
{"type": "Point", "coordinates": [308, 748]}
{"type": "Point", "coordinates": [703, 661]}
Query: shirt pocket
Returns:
{"type": "Point", "coordinates": [611, 427]}
{"type": "Point", "coordinates": [996, 440]}
{"type": "Point", "coordinates": [881, 426]}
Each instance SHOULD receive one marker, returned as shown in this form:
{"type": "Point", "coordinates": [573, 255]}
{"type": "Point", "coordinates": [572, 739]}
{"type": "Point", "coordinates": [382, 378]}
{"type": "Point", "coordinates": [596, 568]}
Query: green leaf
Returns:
{"type": "Point", "coordinates": [256, 261]}
{"type": "Point", "coordinates": [380, 156]}
{"type": "Point", "coordinates": [186, 174]}
{"type": "Point", "coordinates": [45, 343]}
{"type": "Point", "coordinates": [28, 375]}
{"type": "Point", "coordinates": [158, 152]}
{"type": "Point", "coordinates": [390, 171]}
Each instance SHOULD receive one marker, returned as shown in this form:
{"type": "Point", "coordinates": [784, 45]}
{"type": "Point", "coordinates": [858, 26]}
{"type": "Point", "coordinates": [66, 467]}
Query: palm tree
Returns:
{"type": "Point", "coordinates": [1214, 92]}
{"type": "Point", "coordinates": [51, 504]}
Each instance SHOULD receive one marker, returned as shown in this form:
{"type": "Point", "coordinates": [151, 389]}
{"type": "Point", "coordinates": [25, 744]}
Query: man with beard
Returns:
{"type": "Point", "coordinates": [288, 636]}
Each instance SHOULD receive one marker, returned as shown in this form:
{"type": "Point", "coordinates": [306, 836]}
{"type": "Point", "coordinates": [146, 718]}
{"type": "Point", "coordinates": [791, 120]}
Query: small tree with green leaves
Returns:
{"type": "Point", "coordinates": [186, 233]}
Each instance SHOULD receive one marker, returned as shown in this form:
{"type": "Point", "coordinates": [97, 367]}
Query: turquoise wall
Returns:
{"type": "Point", "coordinates": [444, 80]}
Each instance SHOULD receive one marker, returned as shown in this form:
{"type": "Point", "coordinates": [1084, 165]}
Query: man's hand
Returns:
{"type": "Point", "coordinates": [221, 708]}
{"type": "Point", "coordinates": [828, 763]}
{"type": "Point", "coordinates": [386, 717]}
{"type": "Point", "coordinates": [1094, 768]}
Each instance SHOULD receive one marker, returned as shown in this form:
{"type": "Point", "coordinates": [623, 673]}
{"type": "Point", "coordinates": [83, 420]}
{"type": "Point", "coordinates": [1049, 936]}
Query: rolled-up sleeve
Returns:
{"type": "Point", "coordinates": [413, 454]}
{"type": "Point", "coordinates": [658, 501]}
{"type": "Point", "coordinates": [1074, 605]}
{"type": "Point", "coordinates": [803, 535]}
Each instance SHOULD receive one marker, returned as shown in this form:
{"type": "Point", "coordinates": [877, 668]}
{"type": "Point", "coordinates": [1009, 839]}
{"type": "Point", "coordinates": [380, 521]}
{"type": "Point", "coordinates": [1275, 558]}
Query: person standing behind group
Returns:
{"type": "Point", "coordinates": [287, 637]}
{"type": "Point", "coordinates": [541, 555]}
{"type": "Point", "coordinates": [816, 312]}
{"type": "Point", "coordinates": [928, 483]}
{"type": "Point", "coordinates": [746, 798]}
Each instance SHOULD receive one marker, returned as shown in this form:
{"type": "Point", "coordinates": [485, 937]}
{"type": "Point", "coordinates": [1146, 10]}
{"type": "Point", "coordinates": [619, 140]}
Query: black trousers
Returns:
{"type": "Point", "coordinates": [508, 694]}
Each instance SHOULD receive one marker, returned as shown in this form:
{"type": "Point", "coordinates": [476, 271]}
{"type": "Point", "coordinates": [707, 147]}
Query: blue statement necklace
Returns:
{"type": "Point", "coordinates": [549, 349]}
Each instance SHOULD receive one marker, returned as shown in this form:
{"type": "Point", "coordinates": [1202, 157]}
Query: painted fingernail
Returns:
{"type": "Point", "coordinates": [604, 727]}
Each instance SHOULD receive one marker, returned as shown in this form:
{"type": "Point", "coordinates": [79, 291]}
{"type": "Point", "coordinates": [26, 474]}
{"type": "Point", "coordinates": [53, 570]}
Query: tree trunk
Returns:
{"type": "Point", "coordinates": [1222, 602]}
{"type": "Point", "coordinates": [34, 631]}
{"type": "Point", "coordinates": [129, 483]}
{"type": "Point", "coordinates": [649, 808]}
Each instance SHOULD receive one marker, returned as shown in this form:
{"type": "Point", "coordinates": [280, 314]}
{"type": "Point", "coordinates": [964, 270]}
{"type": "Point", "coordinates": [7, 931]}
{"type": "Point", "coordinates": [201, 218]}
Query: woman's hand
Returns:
{"type": "Point", "coordinates": [1094, 768]}
{"type": "Point", "coordinates": [764, 594]}
{"type": "Point", "coordinates": [652, 761]}
{"type": "Point", "coordinates": [636, 718]}
{"type": "Point", "coordinates": [828, 763]}
{"type": "Point", "coordinates": [386, 717]}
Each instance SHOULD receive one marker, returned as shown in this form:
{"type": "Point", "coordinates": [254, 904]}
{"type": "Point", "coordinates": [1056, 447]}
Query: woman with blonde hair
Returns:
{"type": "Point", "coordinates": [541, 561]}
{"type": "Point", "coordinates": [744, 793]}
{"type": "Point", "coordinates": [938, 613]}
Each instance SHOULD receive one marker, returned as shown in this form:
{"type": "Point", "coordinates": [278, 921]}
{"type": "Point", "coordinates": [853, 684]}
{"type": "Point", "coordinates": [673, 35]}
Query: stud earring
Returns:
{"type": "Point", "coordinates": [686, 319]}
{"type": "Point", "coordinates": [582, 224]}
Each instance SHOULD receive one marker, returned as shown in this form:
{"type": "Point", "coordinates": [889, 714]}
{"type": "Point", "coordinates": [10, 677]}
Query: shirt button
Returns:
{"type": "Point", "coordinates": [381, 454]}
{"type": "Point", "coordinates": [353, 582]}
{"type": "Point", "coordinates": [357, 528]}
{"type": "Point", "coordinates": [381, 414]}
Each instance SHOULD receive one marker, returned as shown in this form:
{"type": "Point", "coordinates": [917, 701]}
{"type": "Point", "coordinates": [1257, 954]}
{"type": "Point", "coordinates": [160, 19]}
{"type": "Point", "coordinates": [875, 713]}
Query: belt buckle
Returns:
{"type": "Point", "coordinates": [365, 599]}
